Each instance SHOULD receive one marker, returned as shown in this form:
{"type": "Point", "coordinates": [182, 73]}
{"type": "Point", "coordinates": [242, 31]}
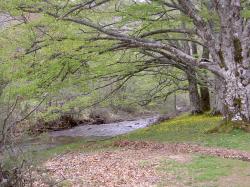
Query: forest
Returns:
{"type": "Point", "coordinates": [124, 93]}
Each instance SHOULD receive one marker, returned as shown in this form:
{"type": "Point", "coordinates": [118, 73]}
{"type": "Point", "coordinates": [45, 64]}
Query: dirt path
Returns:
{"type": "Point", "coordinates": [133, 164]}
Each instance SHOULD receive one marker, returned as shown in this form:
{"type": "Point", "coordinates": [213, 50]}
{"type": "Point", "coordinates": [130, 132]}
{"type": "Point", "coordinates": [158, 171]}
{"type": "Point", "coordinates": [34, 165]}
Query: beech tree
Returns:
{"type": "Point", "coordinates": [155, 29]}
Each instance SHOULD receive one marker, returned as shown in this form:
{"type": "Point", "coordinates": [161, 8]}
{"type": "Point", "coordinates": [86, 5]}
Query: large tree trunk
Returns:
{"type": "Point", "coordinates": [217, 96]}
{"type": "Point", "coordinates": [233, 90]}
{"type": "Point", "coordinates": [236, 99]}
{"type": "Point", "coordinates": [194, 97]}
{"type": "Point", "coordinates": [231, 50]}
{"type": "Point", "coordinates": [205, 98]}
{"type": "Point", "coordinates": [236, 74]}
{"type": "Point", "coordinates": [204, 91]}
{"type": "Point", "coordinates": [236, 83]}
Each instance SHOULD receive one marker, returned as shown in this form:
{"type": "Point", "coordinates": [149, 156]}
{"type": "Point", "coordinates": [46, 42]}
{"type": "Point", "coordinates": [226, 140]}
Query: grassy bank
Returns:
{"type": "Point", "coordinates": [192, 129]}
{"type": "Point", "coordinates": [188, 129]}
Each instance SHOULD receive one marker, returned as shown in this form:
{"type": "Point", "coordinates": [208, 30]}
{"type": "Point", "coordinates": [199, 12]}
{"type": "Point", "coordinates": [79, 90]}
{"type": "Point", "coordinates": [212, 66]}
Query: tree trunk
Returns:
{"type": "Point", "coordinates": [175, 107]}
{"type": "Point", "coordinates": [205, 96]}
{"type": "Point", "coordinates": [194, 96]}
{"type": "Point", "coordinates": [236, 74]}
{"type": "Point", "coordinates": [232, 53]}
{"type": "Point", "coordinates": [218, 95]}
{"type": "Point", "coordinates": [236, 99]}
{"type": "Point", "coordinates": [205, 100]}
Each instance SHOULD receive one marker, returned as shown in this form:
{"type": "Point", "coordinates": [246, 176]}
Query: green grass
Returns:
{"type": "Point", "coordinates": [203, 170]}
{"type": "Point", "coordinates": [188, 129]}
{"type": "Point", "coordinates": [192, 129]}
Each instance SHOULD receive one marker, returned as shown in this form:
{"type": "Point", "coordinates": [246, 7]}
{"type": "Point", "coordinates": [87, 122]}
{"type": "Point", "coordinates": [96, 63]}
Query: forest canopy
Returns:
{"type": "Point", "coordinates": [84, 52]}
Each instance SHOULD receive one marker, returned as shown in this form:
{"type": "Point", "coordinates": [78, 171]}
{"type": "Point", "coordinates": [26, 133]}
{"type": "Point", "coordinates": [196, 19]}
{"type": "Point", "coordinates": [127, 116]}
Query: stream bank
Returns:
{"type": "Point", "coordinates": [104, 130]}
{"type": "Point", "coordinates": [83, 133]}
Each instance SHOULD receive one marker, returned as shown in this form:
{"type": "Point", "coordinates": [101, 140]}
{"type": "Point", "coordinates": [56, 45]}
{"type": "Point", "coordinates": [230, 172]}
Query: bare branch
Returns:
{"type": "Point", "coordinates": [162, 31]}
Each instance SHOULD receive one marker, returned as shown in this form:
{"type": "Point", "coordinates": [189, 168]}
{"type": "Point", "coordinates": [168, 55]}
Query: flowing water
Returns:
{"type": "Point", "coordinates": [104, 130]}
{"type": "Point", "coordinates": [85, 132]}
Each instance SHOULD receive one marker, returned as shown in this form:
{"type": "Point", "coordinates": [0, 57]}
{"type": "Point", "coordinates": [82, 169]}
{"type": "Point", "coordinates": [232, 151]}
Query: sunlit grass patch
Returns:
{"type": "Point", "coordinates": [192, 129]}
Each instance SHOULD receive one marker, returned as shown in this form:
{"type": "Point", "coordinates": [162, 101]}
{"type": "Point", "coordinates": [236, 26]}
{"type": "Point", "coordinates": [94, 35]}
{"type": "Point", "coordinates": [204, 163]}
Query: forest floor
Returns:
{"type": "Point", "coordinates": [177, 152]}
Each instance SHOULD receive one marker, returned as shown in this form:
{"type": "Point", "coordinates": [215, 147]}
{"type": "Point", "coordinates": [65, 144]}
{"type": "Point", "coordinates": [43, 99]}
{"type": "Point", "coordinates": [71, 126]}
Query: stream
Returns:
{"type": "Point", "coordinates": [85, 132]}
{"type": "Point", "coordinates": [104, 130]}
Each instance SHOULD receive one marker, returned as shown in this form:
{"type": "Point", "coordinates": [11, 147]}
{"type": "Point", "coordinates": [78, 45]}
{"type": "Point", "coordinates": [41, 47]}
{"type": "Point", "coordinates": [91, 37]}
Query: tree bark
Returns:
{"type": "Point", "coordinates": [236, 74]}
{"type": "Point", "coordinates": [204, 91]}
{"type": "Point", "coordinates": [194, 97]}
{"type": "Point", "coordinates": [205, 98]}
{"type": "Point", "coordinates": [236, 100]}
{"type": "Point", "coordinates": [218, 95]}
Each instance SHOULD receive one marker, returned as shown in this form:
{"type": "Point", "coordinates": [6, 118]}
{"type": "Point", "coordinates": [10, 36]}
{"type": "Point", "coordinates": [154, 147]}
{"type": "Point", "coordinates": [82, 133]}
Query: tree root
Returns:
{"type": "Point", "coordinates": [228, 126]}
